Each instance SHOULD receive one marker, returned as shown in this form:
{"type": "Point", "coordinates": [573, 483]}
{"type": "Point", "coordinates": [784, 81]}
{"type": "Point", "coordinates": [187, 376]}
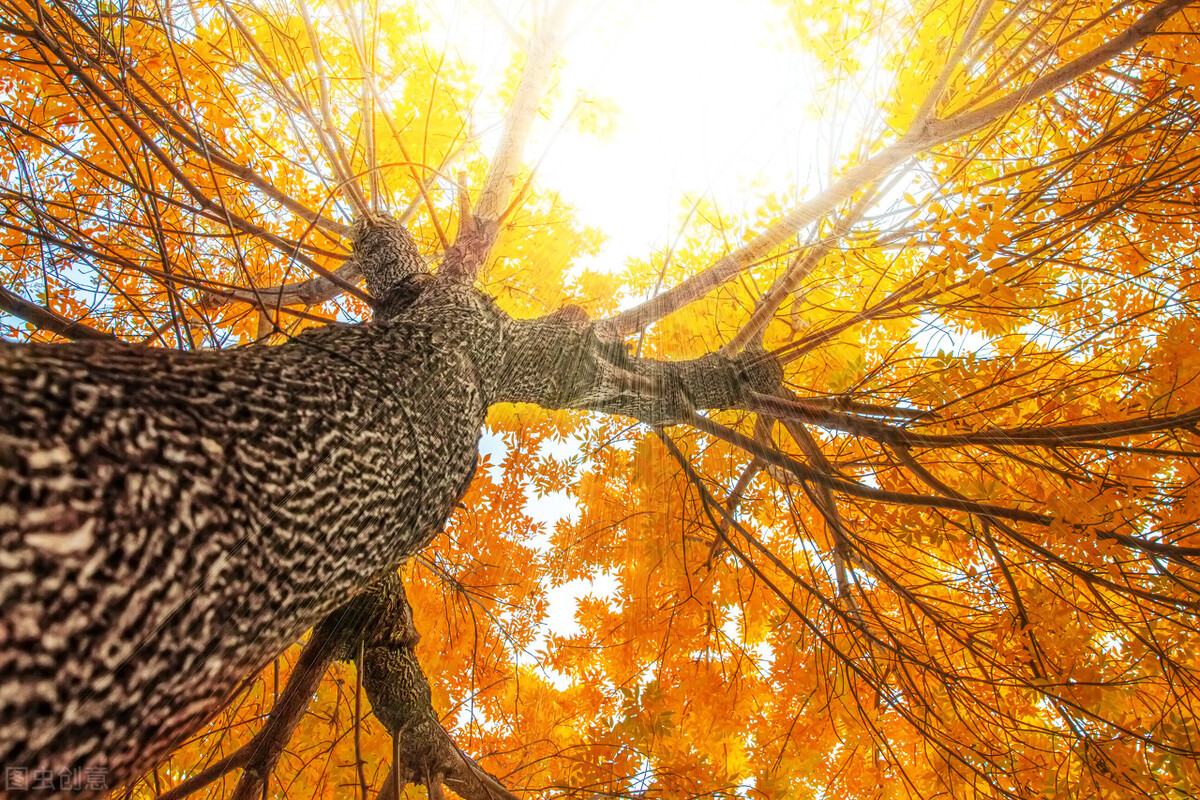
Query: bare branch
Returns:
{"type": "Point", "coordinates": [1052, 436]}
{"type": "Point", "coordinates": [49, 320]}
{"type": "Point", "coordinates": [800, 268]}
{"type": "Point", "coordinates": [333, 143]}
{"type": "Point", "coordinates": [695, 287]}
{"type": "Point", "coordinates": [914, 141]}
{"type": "Point", "coordinates": [926, 111]}
{"type": "Point", "coordinates": [258, 756]}
{"type": "Point", "coordinates": [1145, 26]}
{"type": "Point", "coordinates": [501, 177]}
{"type": "Point", "coordinates": [267, 746]}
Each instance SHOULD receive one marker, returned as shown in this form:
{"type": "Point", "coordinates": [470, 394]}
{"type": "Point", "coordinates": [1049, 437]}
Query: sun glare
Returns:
{"type": "Point", "coordinates": [685, 110]}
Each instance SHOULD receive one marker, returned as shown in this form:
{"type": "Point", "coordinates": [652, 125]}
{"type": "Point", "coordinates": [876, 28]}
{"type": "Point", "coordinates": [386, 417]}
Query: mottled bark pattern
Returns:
{"type": "Point", "coordinates": [400, 694]}
{"type": "Point", "coordinates": [388, 258]}
{"type": "Point", "coordinates": [568, 365]}
{"type": "Point", "coordinates": [381, 617]}
{"type": "Point", "coordinates": [397, 688]}
{"type": "Point", "coordinates": [169, 522]}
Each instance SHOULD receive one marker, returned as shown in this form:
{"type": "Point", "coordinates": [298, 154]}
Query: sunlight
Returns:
{"type": "Point", "coordinates": [694, 117]}
{"type": "Point", "coordinates": [886, 479]}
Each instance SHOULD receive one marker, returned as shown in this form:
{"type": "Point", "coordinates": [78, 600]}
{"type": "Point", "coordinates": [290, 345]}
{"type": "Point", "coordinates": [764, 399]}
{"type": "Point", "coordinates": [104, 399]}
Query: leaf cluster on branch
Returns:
{"type": "Point", "coordinates": [893, 483]}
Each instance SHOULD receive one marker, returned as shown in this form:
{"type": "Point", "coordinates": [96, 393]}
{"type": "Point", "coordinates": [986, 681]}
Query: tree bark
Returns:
{"type": "Point", "coordinates": [170, 522]}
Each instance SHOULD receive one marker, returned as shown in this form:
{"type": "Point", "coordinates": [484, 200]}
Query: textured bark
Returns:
{"type": "Point", "coordinates": [376, 628]}
{"type": "Point", "coordinates": [400, 696]}
{"type": "Point", "coordinates": [169, 522]}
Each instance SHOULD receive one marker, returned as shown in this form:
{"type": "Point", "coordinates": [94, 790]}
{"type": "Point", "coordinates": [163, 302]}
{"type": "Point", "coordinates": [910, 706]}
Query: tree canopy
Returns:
{"type": "Point", "coordinates": [956, 555]}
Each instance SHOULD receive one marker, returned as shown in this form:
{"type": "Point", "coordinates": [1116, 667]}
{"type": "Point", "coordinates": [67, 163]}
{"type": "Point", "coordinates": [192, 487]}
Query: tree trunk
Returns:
{"type": "Point", "coordinates": [170, 522]}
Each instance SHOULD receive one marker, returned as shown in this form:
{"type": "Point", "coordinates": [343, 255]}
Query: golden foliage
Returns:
{"type": "Point", "coordinates": [166, 165]}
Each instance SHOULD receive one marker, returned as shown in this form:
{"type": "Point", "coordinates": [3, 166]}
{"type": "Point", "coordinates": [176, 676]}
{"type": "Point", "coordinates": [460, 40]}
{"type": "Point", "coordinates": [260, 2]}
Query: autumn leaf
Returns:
{"type": "Point", "coordinates": [950, 550]}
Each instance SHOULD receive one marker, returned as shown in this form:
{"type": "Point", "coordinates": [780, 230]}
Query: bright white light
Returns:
{"type": "Point", "coordinates": [713, 102]}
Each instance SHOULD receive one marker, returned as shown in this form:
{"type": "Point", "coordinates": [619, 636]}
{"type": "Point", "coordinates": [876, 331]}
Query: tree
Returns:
{"type": "Point", "coordinates": [845, 563]}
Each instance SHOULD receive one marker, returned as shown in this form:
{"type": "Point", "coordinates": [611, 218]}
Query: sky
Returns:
{"type": "Point", "coordinates": [710, 98]}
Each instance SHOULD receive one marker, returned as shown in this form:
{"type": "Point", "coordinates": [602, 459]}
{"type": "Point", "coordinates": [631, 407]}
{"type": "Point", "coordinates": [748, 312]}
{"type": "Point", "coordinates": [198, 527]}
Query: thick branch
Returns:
{"type": "Point", "coordinates": [266, 747]}
{"type": "Point", "coordinates": [310, 292]}
{"type": "Point", "coordinates": [1145, 26]}
{"type": "Point", "coordinates": [561, 361]}
{"type": "Point", "coordinates": [49, 320]}
{"type": "Point", "coordinates": [501, 177]}
{"type": "Point", "coordinates": [401, 699]}
{"type": "Point", "coordinates": [478, 229]}
{"type": "Point", "coordinates": [730, 266]}
{"type": "Point", "coordinates": [915, 141]}
{"type": "Point", "coordinates": [259, 755]}
{"type": "Point", "coordinates": [214, 771]}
